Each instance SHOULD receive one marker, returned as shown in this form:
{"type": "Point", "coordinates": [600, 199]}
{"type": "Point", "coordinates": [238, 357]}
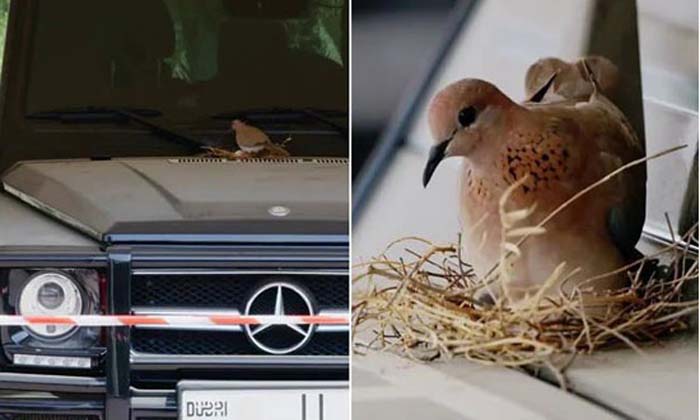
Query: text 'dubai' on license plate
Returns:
{"type": "Point", "coordinates": [264, 404]}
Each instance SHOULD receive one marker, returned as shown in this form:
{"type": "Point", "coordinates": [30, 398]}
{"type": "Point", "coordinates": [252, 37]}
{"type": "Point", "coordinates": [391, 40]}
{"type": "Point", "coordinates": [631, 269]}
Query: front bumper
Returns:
{"type": "Point", "coordinates": [89, 404]}
{"type": "Point", "coordinates": [54, 397]}
{"type": "Point", "coordinates": [137, 386]}
{"type": "Point", "coordinates": [51, 395]}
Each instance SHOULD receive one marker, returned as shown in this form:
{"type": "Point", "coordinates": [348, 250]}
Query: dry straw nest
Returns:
{"type": "Point", "coordinates": [423, 303]}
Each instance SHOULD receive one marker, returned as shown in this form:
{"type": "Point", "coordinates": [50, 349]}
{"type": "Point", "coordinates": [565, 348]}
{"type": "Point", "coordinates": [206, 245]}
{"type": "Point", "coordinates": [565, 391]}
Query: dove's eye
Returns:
{"type": "Point", "coordinates": [467, 116]}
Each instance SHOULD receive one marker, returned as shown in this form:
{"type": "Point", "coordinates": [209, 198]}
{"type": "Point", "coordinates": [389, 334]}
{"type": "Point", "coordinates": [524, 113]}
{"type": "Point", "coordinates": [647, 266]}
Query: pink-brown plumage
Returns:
{"type": "Point", "coordinates": [561, 148]}
{"type": "Point", "coordinates": [253, 142]}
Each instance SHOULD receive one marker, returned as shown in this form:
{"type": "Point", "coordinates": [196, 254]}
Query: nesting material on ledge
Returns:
{"type": "Point", "coordinates": [421, 300]}
{"type": "Point", "coordinates": [423, 306]}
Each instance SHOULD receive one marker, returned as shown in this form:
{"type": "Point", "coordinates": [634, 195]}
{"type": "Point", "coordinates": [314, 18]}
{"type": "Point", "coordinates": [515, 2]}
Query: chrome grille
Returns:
{"type": "Point", "coordinates": [175, 292]}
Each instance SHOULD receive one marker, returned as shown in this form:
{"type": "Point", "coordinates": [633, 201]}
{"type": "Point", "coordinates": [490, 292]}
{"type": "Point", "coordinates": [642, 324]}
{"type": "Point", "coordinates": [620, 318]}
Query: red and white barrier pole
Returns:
{"type": "Point", "coordinates": [182, 320]}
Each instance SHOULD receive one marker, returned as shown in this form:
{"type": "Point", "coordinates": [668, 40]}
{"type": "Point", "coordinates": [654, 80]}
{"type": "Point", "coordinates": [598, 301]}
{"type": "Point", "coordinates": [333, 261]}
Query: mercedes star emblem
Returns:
{"type": "Point", "coordinates": [279, 299]}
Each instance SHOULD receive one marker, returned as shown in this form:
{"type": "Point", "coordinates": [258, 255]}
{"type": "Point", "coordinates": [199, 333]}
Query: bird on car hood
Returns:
{"type": "Point", "coordinates": [559, 149]}
{"type": "Point", "coordinates": [253, 142]}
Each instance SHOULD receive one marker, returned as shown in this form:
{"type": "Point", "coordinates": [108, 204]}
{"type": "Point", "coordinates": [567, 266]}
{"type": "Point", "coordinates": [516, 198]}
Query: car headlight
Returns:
{"type": "Point", "coordinates": [50, 293]}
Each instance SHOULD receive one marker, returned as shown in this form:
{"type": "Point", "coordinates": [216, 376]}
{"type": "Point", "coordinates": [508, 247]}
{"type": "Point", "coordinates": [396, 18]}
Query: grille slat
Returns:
{"type": "Point", "coordinates": [220, 343]}
{"type": "Point", "coordinates": [229, 291]}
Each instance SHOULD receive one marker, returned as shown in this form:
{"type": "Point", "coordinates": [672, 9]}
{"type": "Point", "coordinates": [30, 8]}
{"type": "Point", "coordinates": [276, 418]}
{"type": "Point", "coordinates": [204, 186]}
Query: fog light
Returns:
{"type": "Point", "coordinates": [52, 361]}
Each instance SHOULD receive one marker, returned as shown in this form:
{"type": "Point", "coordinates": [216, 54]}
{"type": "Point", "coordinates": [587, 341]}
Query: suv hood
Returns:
{"type": "Point", "coordinates": [190, 199]}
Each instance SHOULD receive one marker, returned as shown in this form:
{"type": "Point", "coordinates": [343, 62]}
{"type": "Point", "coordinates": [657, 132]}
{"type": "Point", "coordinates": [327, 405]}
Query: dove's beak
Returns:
{"type": "Point", "coordinates": [437, 154]}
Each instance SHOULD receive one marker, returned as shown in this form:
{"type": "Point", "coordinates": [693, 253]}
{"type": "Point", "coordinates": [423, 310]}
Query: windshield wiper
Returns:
{"type": "Point", "coordinates": [97, 114]}
{"type": "Point", "coordinates": [287, 114]}
{"type": "Point", "coordinates": [90, 114]}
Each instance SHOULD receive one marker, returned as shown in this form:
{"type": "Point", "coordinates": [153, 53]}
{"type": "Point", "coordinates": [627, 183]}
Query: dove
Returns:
{"type": "Point", "coordinates": [558, 149]}
{"type": "Point", "coordinates": [252, 141]}
{"type": "Point", "coordinates": [569, 80]}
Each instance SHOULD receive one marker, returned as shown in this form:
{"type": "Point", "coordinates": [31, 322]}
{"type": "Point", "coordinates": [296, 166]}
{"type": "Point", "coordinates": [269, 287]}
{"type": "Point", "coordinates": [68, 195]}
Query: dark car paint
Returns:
{"type": "Point", "coordinates": [51, 244]}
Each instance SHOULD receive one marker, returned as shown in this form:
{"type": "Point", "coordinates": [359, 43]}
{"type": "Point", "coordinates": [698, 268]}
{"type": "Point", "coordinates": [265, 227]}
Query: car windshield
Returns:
{"type": "Point", "coordinates": [192, 61]}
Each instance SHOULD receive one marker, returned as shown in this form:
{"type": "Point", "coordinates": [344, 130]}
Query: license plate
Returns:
{"type": "Point", "coordinates": [263, 401]}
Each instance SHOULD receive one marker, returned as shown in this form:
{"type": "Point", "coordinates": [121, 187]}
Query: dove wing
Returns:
{"type": "Point", "coordinates": [626, 220]}
{"type": "Point", "coordinates": [602, 140]}
{"type": "Point", "coordinates": [256, 136]}
{"type": "Point", "coordinates": [619, 146]}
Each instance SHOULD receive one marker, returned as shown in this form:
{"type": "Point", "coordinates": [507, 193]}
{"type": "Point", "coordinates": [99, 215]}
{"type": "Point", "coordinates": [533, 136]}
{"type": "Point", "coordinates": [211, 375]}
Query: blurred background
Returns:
{"type": "Point", "coordinates": [394, 46]}
{"type": "Point", "coordinates": [391, 41]}
{"type": "Point", "coordinates": [396, 70]}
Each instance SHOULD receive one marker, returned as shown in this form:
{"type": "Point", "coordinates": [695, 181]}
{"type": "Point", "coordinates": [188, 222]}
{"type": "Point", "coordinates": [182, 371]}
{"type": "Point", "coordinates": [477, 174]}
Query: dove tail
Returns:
{"type": "Point", "coordinates": [591, 76]}
{"type": "Point", "coordinates": [539, 95]}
